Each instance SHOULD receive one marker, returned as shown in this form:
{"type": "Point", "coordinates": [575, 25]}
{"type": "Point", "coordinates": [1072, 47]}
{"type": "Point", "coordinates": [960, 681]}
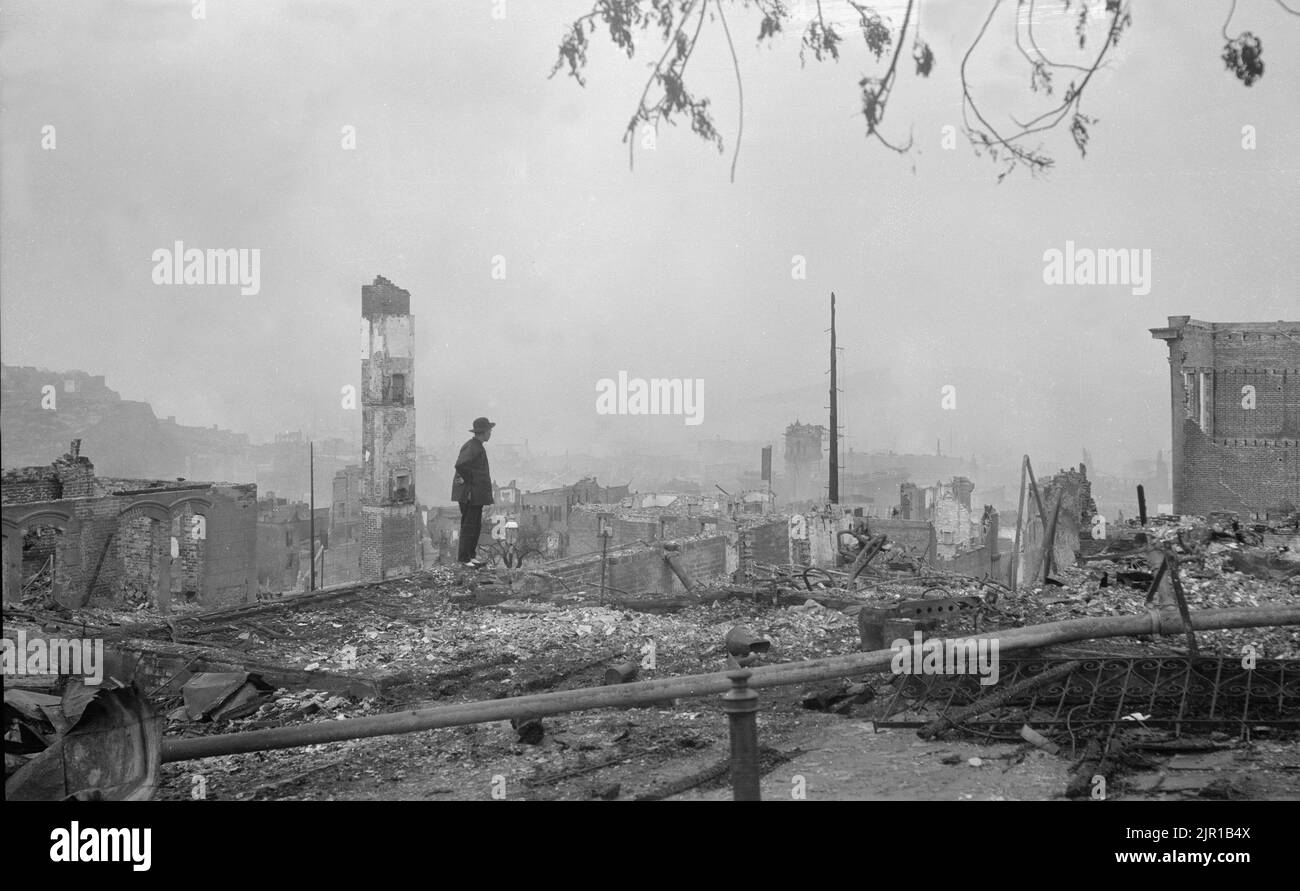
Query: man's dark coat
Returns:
{"type": "Point", "coordinates": [473, 483]}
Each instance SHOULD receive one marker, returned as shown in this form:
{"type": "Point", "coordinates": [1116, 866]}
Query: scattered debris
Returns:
{"type": "Point", "coordinates": [218, 695]}
{"type": "Point", "coordinates": [838, 696]}
{"type": "Point", "coordinates": [530, 730]}
{"type": "Point", "coordinates": [101, 742]}
{"type": "Point", "coordinates": [1032, 736]}
{"type": "Point", "coordinates": [740, 641]}
{"type": "Point", "coordinates": [443, 635]}
{"type": "Point", "coordinates": [623, 673]}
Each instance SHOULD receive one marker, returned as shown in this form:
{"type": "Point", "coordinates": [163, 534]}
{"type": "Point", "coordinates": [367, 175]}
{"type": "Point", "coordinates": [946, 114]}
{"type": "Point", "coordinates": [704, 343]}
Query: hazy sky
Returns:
{"type": "Point", "coordinates": [226, 133]}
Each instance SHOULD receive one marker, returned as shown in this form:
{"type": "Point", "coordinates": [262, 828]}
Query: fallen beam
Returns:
{"type": "Point", "coordinates": [869, 550]}
{"type": "Point", "coordinates": [1049, 538]}
{"type": "Point", "coordinates": [645, 692]}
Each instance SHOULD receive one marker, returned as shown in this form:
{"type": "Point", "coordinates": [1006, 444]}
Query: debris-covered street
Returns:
{"type": "Point", "coordinates": [446, 636]}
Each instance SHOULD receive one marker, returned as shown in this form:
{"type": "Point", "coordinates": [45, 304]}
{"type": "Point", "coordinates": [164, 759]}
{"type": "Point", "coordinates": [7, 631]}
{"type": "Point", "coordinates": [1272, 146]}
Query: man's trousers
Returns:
{"type": "Point", "coordinates": [471, 524]}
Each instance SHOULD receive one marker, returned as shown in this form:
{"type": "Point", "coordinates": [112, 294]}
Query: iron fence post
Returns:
{"type": "Point", "coordinates": [741, 705]}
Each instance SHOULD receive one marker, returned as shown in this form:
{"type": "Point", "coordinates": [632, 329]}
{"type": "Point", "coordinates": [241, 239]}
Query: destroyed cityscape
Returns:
{"type": "Point", "coordinates": [752, 443]}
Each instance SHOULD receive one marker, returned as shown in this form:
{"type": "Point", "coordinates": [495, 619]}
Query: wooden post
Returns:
{"type": "Point", "coordinates": [311, 510]}
{"type": "Point", "coordinates": [1049, 539]}
{"type": "Point", "coordinates": [1171, 560]}
{"type": "Point", "coordinates": [1020, 521]}
{"type": "Point", "coordinates": [1033, 487]}
{"type": "Point", "coordinates": [834, 487]}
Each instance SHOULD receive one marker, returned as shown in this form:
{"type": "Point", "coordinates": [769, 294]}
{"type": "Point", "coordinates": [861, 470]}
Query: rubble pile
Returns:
{"type": "Point", "coordinates": [447, 635]}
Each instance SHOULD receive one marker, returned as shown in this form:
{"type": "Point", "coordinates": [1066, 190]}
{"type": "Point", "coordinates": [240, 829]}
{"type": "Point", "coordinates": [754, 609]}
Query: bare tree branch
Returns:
{"type": "Point", "coordinates": [1010, 145]}
{"type": "Point", "coordinates": [740, 89]}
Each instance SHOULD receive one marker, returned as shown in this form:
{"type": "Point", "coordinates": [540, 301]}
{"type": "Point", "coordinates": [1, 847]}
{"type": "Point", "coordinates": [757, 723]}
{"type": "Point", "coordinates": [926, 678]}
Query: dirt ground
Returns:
{"type": "Point", "coordinates": [822, 757]}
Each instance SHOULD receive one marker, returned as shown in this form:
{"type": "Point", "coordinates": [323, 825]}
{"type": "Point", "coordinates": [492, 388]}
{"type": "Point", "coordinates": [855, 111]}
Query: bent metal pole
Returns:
{"type": "Point", "coordinates": [542, 704]}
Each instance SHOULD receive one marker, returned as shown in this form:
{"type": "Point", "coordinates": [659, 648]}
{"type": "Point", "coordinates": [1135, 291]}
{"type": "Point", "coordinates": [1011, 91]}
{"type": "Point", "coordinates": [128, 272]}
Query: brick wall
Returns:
{"type": "Point", "coordinates": [106, 552]}
{"type": "Point", "coordinates": [371, 561]}
{"type": "Point", "coordinates": [70, 476]}
{"type": "Point", "coordinates": [1246, 478]}
{"type": "Point", "coordinates": [26, 485]}
{"type": "Point", "coordinates": [39, 545]}
{"type": "Point", "coordinates": [951, 521]}
{"type": "Point", "coordinates": [629, 531]}
{"type": "Point", "coordinates": [1227, 455]}
{"type": "Point", "coordinates": [988, 558]}
{"type": "Point", "coordinates": [637, 569]}
{"type": "Point", "coordinates": [685, 526]}
{"type": "Point", "coordinates": [916, 536]}
{"type": "Point", "coordinates": [277, 556]}
{"type": "Point", "coordinates": [142, 545]}
{"type": "Point", "coordinates": [229, 550]}
{"type": "Point", "coordinates": [94, 568]}
{"type": "Point", "coordinates": [769, 542]}
{"type": "Point", "coordinates": [77, 478]}
{"type": "Point", "coordinates": [345, 507]}
{"type": "Point", "coordinates": [390, 541]}
{"type": "Point", "coordinates": [645, 525]}
{"type": "Point", "coordinates": [583, 526]}
{"type": "Point", "coordinates": [187, 569]}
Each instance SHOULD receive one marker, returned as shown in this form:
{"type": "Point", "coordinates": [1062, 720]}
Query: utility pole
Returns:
{"type": "Point", "coordinates": [311, 510]}
{"type": "Point", "coordinates": [834, 496]}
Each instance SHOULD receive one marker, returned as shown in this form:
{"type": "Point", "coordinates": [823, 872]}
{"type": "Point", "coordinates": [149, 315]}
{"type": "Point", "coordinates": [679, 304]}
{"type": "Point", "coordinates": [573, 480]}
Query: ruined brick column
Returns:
{"type": "Point", "coordinates": [389, 521]}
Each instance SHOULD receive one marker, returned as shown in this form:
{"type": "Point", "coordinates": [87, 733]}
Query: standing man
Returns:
{"type": "Point", "coordinates": [472, 489]}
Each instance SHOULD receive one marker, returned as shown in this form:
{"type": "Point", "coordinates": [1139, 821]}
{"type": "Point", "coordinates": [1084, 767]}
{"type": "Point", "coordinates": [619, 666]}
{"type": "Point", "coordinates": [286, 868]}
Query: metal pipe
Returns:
{"type": "Point", "coordinates": [622, 673]}
{"type": "Point", "coordinates": [644, 692]}
{"type": "Point", "coordinates": [675, 565]}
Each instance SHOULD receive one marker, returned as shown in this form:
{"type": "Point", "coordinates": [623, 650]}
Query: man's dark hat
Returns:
{"type": "Point", "coordinates": [482, 425]}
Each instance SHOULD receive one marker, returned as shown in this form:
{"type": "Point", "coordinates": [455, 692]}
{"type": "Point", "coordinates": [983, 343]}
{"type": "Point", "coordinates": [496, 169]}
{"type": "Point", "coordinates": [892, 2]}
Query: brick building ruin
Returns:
{"type": "Point", "coordinates": [1235, 407]}
{"type": "Point", "coordinates": [125, 541]}
{"type": "Point", "coordinates": [947, 506]}
{"type": "Point", "coordinates": [805, 476]}
{"type": "Point", "coordinates": [390, 522]}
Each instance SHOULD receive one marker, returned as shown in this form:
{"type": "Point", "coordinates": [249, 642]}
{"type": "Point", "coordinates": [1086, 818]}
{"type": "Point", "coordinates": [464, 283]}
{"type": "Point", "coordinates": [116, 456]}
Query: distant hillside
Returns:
{"type": "Point", "coordinates": [123, 438]}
